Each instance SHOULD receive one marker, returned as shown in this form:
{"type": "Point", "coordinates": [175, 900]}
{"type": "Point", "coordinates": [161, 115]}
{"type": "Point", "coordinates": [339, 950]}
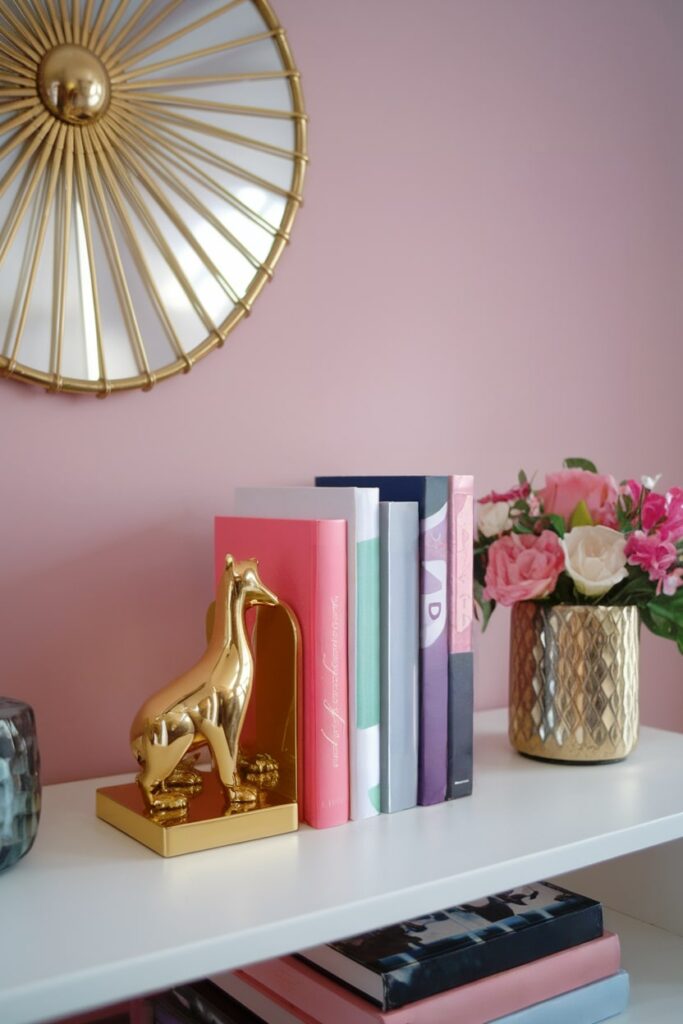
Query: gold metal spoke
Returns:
{"type": "Point", "coordinates": [84, 203]}
{"type": "Point", "coordinates": [146, 29]}
{"type": "Point", "coordinates": [18, 104]}
{"type": "Point", "coordinates": [38, 246]}
{"type": "Point", "coordinates": [125, 75]}
{"type": "Point", "coordinates": [85, 23]}
{"type": "Point", "coordinates": [163, 201]}
{"type": "Point", "coordinates": [63, 268]}
{"type": "Point", "coordinates": [166, 250]}
{"type": "Point", "coordinates": [99, 45]}
{"type": "Point", "coordinates": [167, 40]}
{"type": "Point", "coordinates": [20, 90]}
{"type": "Point", "coordinates": [174, 83]}
{"type": "Point", "coordinates": [17, 61]}
{"type": "Point", "coordinates": [66, 21]}
{"type": "Point", "coordinates": [184, 144]}
{"type": "Point", "coordinates": [20, 32]}
{"type": "Point", "coordinates": [180, 161]}
{"type": "Point", "coordinates": [24, 196]}
{"type": "Point", "coordinates": [116, 263]}
{"type": "Point", "coordinates": [76, 21]}
{"type": "Point", "coordinates": [127, 28]}
{"type": "Point", "coordinates": [41, 14]}
{"type": "Point", "coordinates": [99, 22]}
{"type": "Point", "coordinates": [26, 12]}
{"type": "Point", "coordinates": [55, 20]}
{"type": "Point", "coordinates": [159, 99]}
{"type": "Point", "coordinates": [191, 199]}
{"type": "Point", "coordinates": [141, 261]}
{"type": "Point", "coordinates": [205, 128]}
{"type": "Point", "coordinates": [37, 125]}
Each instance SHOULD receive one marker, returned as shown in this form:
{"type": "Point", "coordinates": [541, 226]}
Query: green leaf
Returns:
{"type": "Point", "coordinates": [486, 607]}
{"type": "Point", "coordinates": [557, 523]}
{"type": "Point", "coordinates": [581, 516]}
{"type": "Point", "coordinates": [664, 616]}
{"type": "Point", "coordinates": [580, 464]}
{"type": "Point", "coordinates": [522, 478]}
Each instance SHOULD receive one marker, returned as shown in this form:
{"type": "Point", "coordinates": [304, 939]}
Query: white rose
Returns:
{"type": "Point", "coordinates": [493, 518]}
{"type": "Point", "coordinates": [594, 558]}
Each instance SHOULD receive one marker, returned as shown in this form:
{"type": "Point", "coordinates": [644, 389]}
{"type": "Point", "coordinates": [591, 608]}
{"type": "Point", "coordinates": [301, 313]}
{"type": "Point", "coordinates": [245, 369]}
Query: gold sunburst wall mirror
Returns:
{"type": "Point", "coordinates": [152, 156]}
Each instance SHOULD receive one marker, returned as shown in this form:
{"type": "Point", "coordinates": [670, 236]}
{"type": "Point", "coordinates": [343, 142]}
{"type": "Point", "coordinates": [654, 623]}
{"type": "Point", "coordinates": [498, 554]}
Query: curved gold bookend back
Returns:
{"type": "Point", "coordinates": [277, 676]}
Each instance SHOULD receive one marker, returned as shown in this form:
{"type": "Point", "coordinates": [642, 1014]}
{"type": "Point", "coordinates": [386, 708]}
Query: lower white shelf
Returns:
{"type": "Point", "coordinates": [654, 959]}
{"type": "Point", "coordinates": [90, 917]}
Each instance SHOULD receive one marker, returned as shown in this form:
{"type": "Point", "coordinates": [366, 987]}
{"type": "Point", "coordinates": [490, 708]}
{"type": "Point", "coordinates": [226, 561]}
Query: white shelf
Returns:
{"type": "Point", "coordinates": [654, 959]}
{"type": "Point", "coordinates": [91, 917]}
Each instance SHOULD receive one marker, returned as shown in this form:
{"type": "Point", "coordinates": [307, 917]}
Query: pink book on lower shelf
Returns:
{"type": "Point", "coordinates": [298, 989]}
{"type": "Point", "coordinates": [304, 563]}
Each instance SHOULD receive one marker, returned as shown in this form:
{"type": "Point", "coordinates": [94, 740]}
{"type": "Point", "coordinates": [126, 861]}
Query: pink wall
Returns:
{"type": "Point", "coordinates": [486, 274]}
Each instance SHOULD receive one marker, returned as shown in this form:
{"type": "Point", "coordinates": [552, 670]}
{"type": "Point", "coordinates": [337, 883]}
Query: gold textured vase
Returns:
{"type": "Point", "coordinates": [574, 682]}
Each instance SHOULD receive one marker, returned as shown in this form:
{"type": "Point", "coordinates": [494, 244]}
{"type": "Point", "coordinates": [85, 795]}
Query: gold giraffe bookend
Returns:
{"type": "Point", "coordinates": [238, 705]}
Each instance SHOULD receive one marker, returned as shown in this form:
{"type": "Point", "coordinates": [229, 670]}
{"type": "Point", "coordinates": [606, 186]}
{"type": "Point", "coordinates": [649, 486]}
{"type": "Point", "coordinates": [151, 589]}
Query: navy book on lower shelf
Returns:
{"type": "Point", "coordinates": [414, 959]}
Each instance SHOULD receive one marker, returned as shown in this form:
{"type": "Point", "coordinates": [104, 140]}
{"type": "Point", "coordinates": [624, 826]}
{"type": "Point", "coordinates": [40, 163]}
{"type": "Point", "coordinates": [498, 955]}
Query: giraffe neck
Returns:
{"type": "Point", "coordinates": [229, 629]}
{"type": "Point", "coordinates": [238, 629]}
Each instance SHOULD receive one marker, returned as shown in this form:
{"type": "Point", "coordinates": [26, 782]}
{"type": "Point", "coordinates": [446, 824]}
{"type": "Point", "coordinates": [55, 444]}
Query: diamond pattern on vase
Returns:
{"type": "Point", "coordinates": [574, 681]}
{"type": "Point", "coordinates": [19, 781]}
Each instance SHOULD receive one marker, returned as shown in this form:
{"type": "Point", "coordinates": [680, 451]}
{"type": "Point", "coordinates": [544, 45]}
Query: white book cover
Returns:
{"type": "Point", "coordinates": [359, 506]}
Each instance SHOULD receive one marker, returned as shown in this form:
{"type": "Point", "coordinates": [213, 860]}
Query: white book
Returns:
{"type": "Point", "coordinates": [359, 506]}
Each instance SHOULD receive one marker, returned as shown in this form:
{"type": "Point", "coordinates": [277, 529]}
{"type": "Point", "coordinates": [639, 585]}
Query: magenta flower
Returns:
{"type": "Point", "coordinates": [653, 511]}
{"type": "Point", "coordinates": [651, 552]}
{"type": "Point", "coordinates": [514, 494]}
{"type": "Point", "coordinates": [672, 527]}
{"type": "Point", "coordinates": [523, 567]}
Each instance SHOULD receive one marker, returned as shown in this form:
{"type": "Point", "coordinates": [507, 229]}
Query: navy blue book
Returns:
{"type": "Point", "coordinates": [431, 495]}
{"type": "Point", "coordinates": [415, 959]}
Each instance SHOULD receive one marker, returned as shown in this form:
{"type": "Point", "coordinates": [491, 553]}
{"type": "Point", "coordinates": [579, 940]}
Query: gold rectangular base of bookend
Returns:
{"type": "Point", "coordinates": [208, 824]}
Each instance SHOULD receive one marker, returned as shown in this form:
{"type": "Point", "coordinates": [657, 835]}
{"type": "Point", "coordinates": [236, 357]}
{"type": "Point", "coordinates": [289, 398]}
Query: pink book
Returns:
{"type": "Point", "coordinates": [460, 660]}
{"type": "Point", "coordinates": [304, 563]}
{"type": "Point", "coordinates": [296, 988]}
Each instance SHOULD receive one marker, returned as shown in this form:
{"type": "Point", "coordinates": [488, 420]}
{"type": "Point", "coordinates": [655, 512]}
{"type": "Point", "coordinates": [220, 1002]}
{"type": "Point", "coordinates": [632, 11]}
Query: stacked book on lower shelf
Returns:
{"type": "Point", "coordinates": [533, 955]}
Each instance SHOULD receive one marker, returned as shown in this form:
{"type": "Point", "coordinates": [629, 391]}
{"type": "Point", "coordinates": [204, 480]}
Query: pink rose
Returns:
{"type": "Point", "coordinates": [522, 567]}
{"type": "Point", "coordinates": [514, 494]}
{"type": "Point", "coordinates": [564, 490]}
{"type": "Point", "coordinates": [651, 552]}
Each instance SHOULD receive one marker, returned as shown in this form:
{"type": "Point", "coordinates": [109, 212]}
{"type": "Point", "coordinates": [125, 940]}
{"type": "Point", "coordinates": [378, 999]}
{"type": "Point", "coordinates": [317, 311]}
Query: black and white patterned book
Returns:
{"type": "Point", "coordinates": [414, 959]}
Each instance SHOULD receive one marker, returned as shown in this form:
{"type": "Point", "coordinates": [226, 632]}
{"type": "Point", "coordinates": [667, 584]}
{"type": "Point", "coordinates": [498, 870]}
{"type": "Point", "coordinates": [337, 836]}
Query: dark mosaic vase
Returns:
{"type": "Point", "coordinates": [19, 781]}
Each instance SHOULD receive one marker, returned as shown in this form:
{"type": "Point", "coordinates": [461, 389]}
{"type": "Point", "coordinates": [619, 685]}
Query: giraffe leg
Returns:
{"type": "Point", "coordinates": [159, 761]}
{"type": "Point", "coordinates": [225, 762]}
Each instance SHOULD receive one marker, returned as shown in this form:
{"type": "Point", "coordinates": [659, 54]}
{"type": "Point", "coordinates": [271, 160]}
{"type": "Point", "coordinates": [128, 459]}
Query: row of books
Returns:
{"type": "Point", "coordinates": [379, 573]}
{"type": "Point", "coordinates": [531, 955]}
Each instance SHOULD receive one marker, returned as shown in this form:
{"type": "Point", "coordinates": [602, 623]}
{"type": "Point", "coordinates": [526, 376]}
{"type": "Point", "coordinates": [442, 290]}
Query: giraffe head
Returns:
{"type": "Point", "coordinates": [248, 582]}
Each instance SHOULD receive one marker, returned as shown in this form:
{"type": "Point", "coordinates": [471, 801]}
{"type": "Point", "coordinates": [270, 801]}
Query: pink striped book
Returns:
{"type": "Point", "coordinates": [300, 989]}
{"type": "Point", "coordinates": [304, 563]}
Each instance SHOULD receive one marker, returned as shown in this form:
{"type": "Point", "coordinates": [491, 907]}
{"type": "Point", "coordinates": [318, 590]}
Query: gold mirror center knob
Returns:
{"type": "Point", "coordinates": [74, 84]}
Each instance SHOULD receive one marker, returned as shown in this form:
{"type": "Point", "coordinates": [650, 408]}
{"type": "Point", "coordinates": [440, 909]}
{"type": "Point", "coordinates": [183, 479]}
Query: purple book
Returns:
{"type": "Point", "coordinates": [431, 494]}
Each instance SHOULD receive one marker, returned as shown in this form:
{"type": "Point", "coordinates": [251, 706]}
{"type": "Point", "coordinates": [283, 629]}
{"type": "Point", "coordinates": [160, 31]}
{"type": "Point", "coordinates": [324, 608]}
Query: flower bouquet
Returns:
{"type": "Point", "coordinates": [582, 560]}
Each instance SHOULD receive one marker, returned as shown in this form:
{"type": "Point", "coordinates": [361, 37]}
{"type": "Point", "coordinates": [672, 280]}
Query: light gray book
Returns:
{"type": "Point", "coordinates": [399, 528]}
{"type": "Point", "coordinates": [589, 1004]}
